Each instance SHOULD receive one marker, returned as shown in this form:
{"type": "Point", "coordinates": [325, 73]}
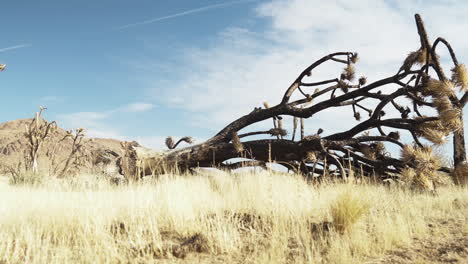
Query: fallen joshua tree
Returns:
{"type": "Point", "coordinates": [418, 85]}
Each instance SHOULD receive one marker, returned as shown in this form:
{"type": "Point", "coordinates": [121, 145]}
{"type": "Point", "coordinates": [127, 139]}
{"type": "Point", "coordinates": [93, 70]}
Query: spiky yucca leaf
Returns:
{"type": "Point", "coordinates": [442, 104]}
{"type": "Point", "coordinates": [418, 180]}
{"type": "Point", "coordinates": [415, 57]}
{"type": "Point", "coordinates": [447, 88]}
{"type": "Point", "coordinates": [379, 148]}
{"type": "Point", "coordinates": [367, 152]}
{"type": "Point", "coordinates": [451, 119]}
{"type": "Point", "coordinates": [438, 125]}
{"type": "Point", "coordinates": [421, 60]}
{"type": "Point", "coordinates": [460, 77]}
{"type": "Point", "coordinates": [441, 178]}
{"type": "Point", "coordinates": [362, 80]}
{"type": "Point", "coordinates": [349, 72]}
{"type": "Point", "coordinates": [424, 181]}
{"type": "Point", "coordinates": [437, 137]}
{"type": "Point", "coordinates": [426, 161]}
{"type": "Point", "coordinates": [408, 153]}
{"type": "Point", "coordinates": [422, 159]}
{"type": "Point", "coordinates": [414, 179]}
{"type": "Point", "coordinates": [408, 175]}
{"type": "Point", "coordinates": [433, 131]}
{"type": "Point", "coordinates": [354, 58]}
{"type": "Point", "coordinates": [438, 88]}
{"type": "Point", "coordinates": [311, 156]}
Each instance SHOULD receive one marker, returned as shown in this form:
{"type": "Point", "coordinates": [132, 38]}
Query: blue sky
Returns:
{"type": "Point", "coordinates": [147, 69]}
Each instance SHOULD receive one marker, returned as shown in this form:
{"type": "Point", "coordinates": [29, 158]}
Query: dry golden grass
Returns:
{"type": "Point", "coordinates": [216, 218]}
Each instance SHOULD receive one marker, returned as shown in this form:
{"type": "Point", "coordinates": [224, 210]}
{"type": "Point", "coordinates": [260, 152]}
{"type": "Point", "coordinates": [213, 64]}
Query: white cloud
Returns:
{"type": "Point", "coordinates": [137, 107]}
{"type": "Point", "coordinates": [85, 118]}
{"type": "Point", "coordinates": [95, 122]}
{"type": "Point", "coordinates": [91, 121]}
{"type": "Point", "coordinates": [97, 125]}
{"type": "Point", "coordinates": [244, 68]}
{"type": "Point", "coordinates": [93, 118]}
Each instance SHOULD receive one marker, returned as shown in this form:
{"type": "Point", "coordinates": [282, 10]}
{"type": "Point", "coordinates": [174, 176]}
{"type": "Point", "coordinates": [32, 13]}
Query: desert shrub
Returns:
{"type": "Point", "coordinates": [28, 178]}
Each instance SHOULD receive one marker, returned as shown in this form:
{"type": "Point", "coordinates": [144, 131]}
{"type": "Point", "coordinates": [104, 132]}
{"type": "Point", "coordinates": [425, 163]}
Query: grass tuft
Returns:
{"type": "Point", "coordinates": [346, 210]}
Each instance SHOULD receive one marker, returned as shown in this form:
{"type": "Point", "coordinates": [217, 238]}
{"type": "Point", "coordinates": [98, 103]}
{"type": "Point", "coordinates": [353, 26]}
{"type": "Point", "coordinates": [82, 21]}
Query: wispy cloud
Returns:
{"type": "Point", "coordinates": [15, 47]}
{"type": "Point", "coordinates": [93, 122]}
{"type": "Point", "coordinates": [84, 119]}
{"type": "Point", "coordinates": [96, 123]}
{"type": "Point", "coordinates": [184, 13]}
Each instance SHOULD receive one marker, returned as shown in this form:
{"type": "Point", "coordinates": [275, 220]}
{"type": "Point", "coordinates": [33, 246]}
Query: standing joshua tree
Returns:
{"type": "Point", "coordinates": [420, 83]}
{"type": "Point", "coordinates": [37, 132]}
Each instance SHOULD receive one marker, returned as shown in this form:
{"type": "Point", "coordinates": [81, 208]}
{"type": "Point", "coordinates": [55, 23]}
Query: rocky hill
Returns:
{"type": "Point", "coordinates": [95, 153]}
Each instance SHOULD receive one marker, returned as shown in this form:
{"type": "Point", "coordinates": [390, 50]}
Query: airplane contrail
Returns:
{"type": "Point", "coordinates": [191, 11]}
{"type": "Point", "coordinates": [15, 47]}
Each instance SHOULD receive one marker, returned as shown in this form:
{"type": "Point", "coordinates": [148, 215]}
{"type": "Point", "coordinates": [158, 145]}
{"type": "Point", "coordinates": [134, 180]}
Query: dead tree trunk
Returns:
{"type": "Point", "coordinates": [409, 93]}
{"type": "Point", "coordinates": [458, 78]}
{"type": "Point", "coordinates": [36, 133]}
{"type": "Point", "coordinates": [459, 150]}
